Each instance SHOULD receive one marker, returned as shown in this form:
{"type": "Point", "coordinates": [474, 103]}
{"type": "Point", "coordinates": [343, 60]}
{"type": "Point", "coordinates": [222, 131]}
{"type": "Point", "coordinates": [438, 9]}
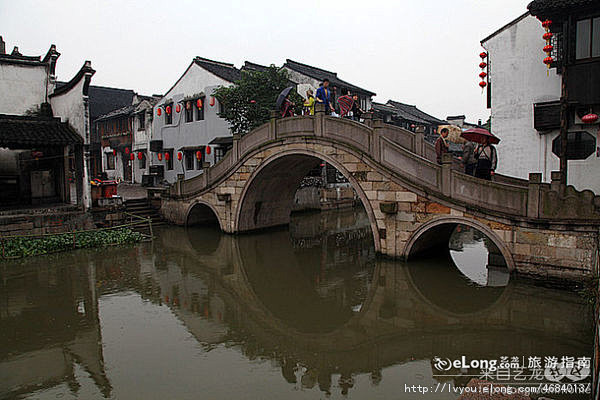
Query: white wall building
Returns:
{"type": "Point", "coordinates": [518, 82]}
{"type": "Point", "coordinates": [188, 120]}
{"type": "Point", "coordinates": [29, 90]}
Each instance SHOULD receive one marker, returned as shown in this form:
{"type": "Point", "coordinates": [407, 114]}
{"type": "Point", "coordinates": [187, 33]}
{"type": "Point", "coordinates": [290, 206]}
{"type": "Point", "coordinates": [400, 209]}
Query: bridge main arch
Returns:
{"type": "Point", "coordinates": [267, 198]}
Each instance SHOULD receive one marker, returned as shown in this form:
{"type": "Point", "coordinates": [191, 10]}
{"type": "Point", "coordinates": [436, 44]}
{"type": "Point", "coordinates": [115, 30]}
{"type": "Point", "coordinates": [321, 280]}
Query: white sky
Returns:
{"type": "Point", "coordinates": [418, 52]}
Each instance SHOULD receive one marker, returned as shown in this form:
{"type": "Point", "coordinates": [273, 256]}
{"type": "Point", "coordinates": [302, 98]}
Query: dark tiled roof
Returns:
{"type": "Point", "coordinates": [388, 109]}
{"type": "Point", "coordinates": [222, 140]}
{"type": "Point", "coordinates": [320, 74]}
{"type": "Point", "coordinates": [21, 132]}
{"type": "Point", "coordinates": [103, 100]}
{"type": "Point", "coordinates": [542, 8]}
{"type": "Point", "coordinates": [123, 111]}
{"type": "Point", "coordinates": [250, 66]}
{"type": "Point", "coordinates": [222, 70]}
{"type": "Point", "coordinates": [414, 111]}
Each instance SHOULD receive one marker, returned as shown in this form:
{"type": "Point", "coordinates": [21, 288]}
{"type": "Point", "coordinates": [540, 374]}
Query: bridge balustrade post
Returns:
{"type": "Point", "coordinates": [556, 182]}
{"type": "Point", "coordinates": [368, 119]}
{"type": "Point", "coordinates": [320, 119]}
{"type": "Point", "coordinates": [273, 125]}
{"type": "Point", "coordinates": [235, 150]}
{"type": "Point", "coordinates": [418, 143]}
{"type": "Point", "coordinates": [533, 195]}
{"type": "Point", "coordinates": [447, 174]}
{"type": "Point", "coordinates": [179, 184]}
{"type": "Point", "coordinates": [375, 142]}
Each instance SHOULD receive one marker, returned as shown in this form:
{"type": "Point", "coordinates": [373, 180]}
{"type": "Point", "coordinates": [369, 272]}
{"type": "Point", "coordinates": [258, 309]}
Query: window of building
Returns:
{"type": "Point", "coordinates": [219, 153]}
{"type": "Point", "coordinates": [189, 111]}
{"type": "Point", "coordinates": [170, 160]}
{"type": "Point", "coordinates": [588, 38]}
{"type": "Point", "coordinates": [200, 111]}
{"type": "Point", "coordinates": [142, 121]}
{"type": "Point", "coordinates": [189, 160]}
{"type": "Point", "coordinates": [142, 161]}
{"type": "Point", "coordinates": [169, 116]}
{"type": "Point", "coordinates": [110, 161]}
{"type": "Point", "coordinates": [221, 107]}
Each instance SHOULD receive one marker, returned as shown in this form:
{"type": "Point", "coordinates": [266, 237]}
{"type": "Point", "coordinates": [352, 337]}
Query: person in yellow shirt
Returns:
{"type": "Point", "coordinates": [309, 104]}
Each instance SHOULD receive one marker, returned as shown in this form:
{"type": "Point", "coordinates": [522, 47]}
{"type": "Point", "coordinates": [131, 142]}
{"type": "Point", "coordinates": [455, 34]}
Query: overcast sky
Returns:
{"type": "Point", "coordinates": [418, 52]}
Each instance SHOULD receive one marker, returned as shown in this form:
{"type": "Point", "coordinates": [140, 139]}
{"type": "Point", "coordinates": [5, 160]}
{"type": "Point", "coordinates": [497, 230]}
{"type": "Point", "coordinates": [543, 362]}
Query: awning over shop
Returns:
{"type": "Point", "coordinates": [223, 141]}
{"type": "Point", "coordinates": [191, 148]}
{"type": "Point", "coordinates": [23, 132]}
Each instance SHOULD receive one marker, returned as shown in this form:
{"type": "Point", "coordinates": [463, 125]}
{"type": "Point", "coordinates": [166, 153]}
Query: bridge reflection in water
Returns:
{"type": "Point", "coordinates": [197, 313]}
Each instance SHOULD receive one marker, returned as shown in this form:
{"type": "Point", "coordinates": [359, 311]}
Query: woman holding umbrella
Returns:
{"type": "Point", "coordinates": [487, 160]}
{"type": "Point", "coordinates": [485, 153]}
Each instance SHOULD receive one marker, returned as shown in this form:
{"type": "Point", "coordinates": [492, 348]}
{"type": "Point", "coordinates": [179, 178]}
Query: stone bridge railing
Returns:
{"type": "Point", "coordinates": [411, 159]}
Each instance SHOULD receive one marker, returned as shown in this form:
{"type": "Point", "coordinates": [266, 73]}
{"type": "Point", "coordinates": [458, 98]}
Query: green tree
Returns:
{"type": "Point", "coordinates": [249, 102]}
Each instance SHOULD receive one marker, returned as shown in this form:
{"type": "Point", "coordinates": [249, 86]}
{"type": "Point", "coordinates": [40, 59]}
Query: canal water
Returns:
{"type": "Point", "coordinates": [307, 312]}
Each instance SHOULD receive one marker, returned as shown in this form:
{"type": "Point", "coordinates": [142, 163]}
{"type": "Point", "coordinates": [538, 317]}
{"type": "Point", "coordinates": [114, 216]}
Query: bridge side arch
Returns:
{"type": "Point", "coordinates": [200, 211]}
{"type": "Point", "coordinates": [241, 214]}
{"type": "Point", "coordinates": [441, 228]}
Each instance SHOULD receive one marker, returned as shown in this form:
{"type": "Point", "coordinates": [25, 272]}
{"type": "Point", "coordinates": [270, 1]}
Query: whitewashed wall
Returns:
{"type": "Point", "coordinates": [179, 133]}
{"type": "Point", "coordinates": [23, 88]}
{"type": "Point", "coordinates": [518, 80]}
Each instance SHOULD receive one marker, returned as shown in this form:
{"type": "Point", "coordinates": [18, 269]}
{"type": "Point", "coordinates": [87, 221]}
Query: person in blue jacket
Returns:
{"type": "Point", "coordinates": [324, 96]}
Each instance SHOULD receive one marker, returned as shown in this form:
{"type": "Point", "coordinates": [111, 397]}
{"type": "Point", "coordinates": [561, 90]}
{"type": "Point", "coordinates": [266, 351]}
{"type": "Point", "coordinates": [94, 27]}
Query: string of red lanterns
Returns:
{"type": "Point", "coordinates": [547, 36]}
{"type": "Point", "coordinates": [482, 84]}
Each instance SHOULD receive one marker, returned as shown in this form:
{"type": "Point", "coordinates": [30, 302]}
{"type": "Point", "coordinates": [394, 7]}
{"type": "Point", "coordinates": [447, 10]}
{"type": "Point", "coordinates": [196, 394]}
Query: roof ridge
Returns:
{"type": "Point", "coordinates": [221, 63]}
{"type": "Point", "coordinates": [310, 66]}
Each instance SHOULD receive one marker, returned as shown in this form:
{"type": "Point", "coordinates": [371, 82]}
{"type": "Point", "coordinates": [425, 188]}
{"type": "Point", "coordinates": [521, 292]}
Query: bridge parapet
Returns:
{"type": "Point", "coordinates": [407, 156]}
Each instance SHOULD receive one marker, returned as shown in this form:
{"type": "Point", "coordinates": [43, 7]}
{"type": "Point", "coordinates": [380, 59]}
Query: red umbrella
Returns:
{"type": "Point", "coordinates": [479, 135]}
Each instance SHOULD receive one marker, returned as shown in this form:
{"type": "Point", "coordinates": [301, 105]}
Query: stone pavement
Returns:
{"type": "Point", "coordinates": [130, 191]}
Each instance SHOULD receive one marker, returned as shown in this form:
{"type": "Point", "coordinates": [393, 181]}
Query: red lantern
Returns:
{"type": "Point", "coordinates": [483, 55]}
{"type": "Point", "coordinates": [548, 48]}
{"type": "Point", "coordinates": [140, 155]}
{"type": "Point", "coordinates": [252, 101]}
{"type": "Point", "coordinates": [114, 152]}
{"type": "Point", "coordinates": [131, 157]}
{"type": "Point", "coordinates": [482, 75]}
{"type": "Point", "coordinates": [178, 108]}
{"type": "Point", "coordinates": [482, 84]}
{"type": "Point", "coordinates": [546, 23]}
{"type": "Point", "coordinates": [589, 118]}
{"type": "Point", "coordinates": [207, 149]}
{"type": "Point", "coordinates": [126, 150]}
{"type": "Point", "coordinates": [199, 103]}
{"type": "Point", "coordinates": [159, 156]}
{"type": "Point", "coordinates": [212, 101]}
{"type": "Point", "coordinates": [179, 156]}
{"type": "Point", "coordinates": [412, 126]}
{"type": "Point", "coordinates": [548, 61]}
{"type": "Point", "coordinates": [547, 35]}
{"type": "Point", "coordinates": [167, 156]}
{"type": "Point", "coordinates": [168, 109]}
{"type": "Point", "coordinates": [199, 155]}
{"type": "Point", "coordinates": [482, 65]}
{"type": "Point", "coordinates": [159, 111]}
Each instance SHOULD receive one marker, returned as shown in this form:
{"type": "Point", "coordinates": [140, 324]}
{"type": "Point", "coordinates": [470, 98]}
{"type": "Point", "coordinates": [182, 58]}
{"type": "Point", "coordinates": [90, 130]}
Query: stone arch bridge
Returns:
{"type": "Point", "coordinates": [413, 204]}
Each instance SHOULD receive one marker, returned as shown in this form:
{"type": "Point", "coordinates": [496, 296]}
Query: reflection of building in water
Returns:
{"type": "Point", "coordinates": [62, 301]}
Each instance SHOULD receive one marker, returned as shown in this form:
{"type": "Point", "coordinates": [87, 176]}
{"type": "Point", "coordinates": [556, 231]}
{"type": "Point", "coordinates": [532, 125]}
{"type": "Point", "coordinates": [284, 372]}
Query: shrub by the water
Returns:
{"type": "Point", "coordinates": [28, 246]}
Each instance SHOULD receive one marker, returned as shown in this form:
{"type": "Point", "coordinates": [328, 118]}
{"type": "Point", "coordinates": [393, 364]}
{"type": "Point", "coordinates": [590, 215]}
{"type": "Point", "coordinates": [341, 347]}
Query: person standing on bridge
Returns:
{"type": "Point", "coordinates": [309, 104]}
{"type": "Point", "coordinates": [468, 158]}
{"type": "Point", "coordinates": [324, 96]}
{"type": "Point", "coordinates": [441, 145]}
{"type": "Point", "coordinates": [487, 160]}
